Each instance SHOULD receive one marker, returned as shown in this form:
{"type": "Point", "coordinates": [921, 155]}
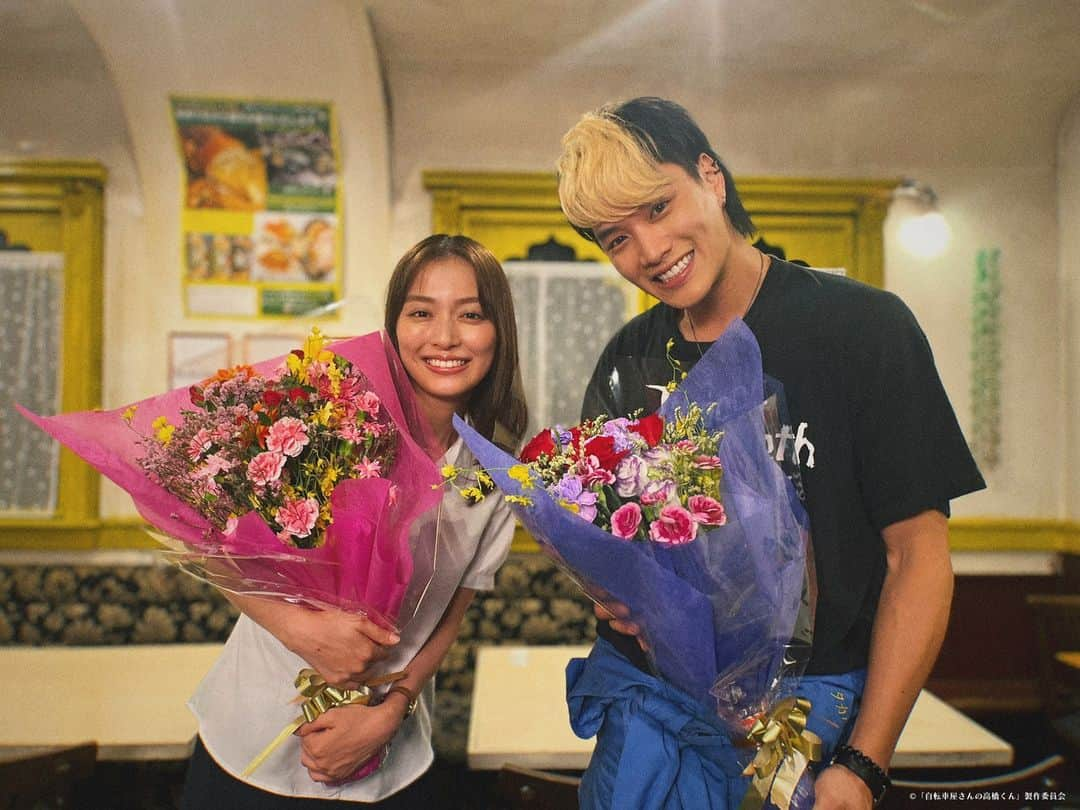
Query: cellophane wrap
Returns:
{"type": "Point", "coordinates": [728, 617]}
{"type": "Point", "coordinates": [367, 561]}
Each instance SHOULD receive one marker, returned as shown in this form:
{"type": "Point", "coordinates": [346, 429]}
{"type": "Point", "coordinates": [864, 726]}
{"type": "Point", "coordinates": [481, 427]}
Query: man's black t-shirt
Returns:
{"type": "Point", "coordinates": [868, 432]}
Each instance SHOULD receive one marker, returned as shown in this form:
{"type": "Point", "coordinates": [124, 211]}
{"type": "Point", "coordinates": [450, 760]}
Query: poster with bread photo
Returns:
{"type": "Point", "coordinates": [261, 204]}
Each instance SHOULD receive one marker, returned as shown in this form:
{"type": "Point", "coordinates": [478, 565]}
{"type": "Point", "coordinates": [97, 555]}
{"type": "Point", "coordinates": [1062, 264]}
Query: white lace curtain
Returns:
{"type": "Point", "coordinates": [31, 287]}
{"type": "Point", "coordinates": [566, 313]}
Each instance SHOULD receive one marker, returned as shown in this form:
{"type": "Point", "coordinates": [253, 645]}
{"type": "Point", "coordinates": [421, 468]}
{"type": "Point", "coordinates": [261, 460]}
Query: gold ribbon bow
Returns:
{"type": "Point", "coordinates": [319, 698]}
{"type": "Point", "coordinates": [785, 748]}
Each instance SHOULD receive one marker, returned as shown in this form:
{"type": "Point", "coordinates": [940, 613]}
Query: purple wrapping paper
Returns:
{"type": "Point", "coordinates": [718, 613]}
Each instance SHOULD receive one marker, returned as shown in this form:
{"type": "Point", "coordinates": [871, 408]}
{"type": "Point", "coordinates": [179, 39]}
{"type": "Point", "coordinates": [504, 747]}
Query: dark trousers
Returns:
{"type": "Point", "coordinates": [209, 787]}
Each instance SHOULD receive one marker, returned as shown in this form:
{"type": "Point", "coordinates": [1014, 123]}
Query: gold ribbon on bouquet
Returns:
{"type": "Point", "coordinates": [785, 748]}
{"type": "Point", "coordinates": [318, 697]}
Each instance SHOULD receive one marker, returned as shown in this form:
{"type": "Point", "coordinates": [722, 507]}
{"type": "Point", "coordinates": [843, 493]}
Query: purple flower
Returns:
{"type": "Point", "coordinates": [617, 429]}
{"type": "Point", "coordinates": [571, 492]}
{"type": "Point", "coordinates": [631, 476]}
{"type": "Point", "coordinates": [658, 492]}
{"type": "Point", "coordinates": [625, 520]}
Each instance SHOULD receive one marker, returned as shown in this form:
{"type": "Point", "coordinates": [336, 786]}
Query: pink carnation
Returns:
{"type": "Point", "coordinates": [675, 526]}
{"type": "Point", "coordinates": [707, 462]}
{"type": "Point", "coordinates": [265, 468]}
{"type": "Point", "coordinates": [298, 517]}
{"type": "Point", "coordinates": [625, 521]}
{"type": "Point", "coordinates": [287, 435]}
{"type": "Point", "coordinates": [593, 473]}
{"type": "Point", "coordinates": [199, 444]}
{"type": "Point", "coordinates": [707, 511]}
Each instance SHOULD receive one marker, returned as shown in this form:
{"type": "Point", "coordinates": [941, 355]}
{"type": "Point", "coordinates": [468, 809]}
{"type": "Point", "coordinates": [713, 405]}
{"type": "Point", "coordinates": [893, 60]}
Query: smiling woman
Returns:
{"type": "Point", "coordinates": [450, 314]}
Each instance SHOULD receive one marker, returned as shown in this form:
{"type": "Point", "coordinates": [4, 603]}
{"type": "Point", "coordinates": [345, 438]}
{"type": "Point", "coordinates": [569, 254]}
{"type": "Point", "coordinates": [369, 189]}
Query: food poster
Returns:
{"type": "Point", "coordinates": [261, 210]}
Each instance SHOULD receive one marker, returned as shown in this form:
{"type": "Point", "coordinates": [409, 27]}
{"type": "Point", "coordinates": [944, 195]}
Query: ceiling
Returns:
{"type": "Point", "coordinates": [985, 80]}
{"type": "Point", "coordinates": [1033, 38]}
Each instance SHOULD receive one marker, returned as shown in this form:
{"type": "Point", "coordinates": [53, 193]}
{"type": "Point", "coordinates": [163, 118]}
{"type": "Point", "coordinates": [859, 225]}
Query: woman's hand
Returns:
{"type": "Point", "coordinates": [335, 744]}
{"type": "Point", "coordinates": [339, 646]}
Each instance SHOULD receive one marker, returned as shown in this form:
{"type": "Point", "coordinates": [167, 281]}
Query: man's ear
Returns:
{"type": "Point", "coordinates": [712, 177]}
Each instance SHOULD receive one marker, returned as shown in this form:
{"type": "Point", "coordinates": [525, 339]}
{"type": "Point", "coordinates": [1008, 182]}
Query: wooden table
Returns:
{"type": "Point", "coordinates": [130, 700]}
{"type": "Point", "coordinates": [519, 716]}
{"type": "Point", "coordinates": [1069, 658]}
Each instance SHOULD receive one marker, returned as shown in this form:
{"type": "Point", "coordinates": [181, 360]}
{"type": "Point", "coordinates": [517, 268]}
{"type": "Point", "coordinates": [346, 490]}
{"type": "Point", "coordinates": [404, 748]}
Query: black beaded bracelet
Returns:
{"type": "Point", "coordinates": [865, 768]}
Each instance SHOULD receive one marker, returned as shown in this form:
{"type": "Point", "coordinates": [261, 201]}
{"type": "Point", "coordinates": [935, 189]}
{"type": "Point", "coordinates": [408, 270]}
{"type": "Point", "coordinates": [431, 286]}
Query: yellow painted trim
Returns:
{"type": "Point", "coordinates": [459, 198]}
{"type": "Point", "coordinates": [1014, 534]}
{"type": "Point", "coordinates": [965, 534]}
{"type": "Point", "coordinates": [72, 191]}
{"type": "Point", "coordinates": [114, 533]}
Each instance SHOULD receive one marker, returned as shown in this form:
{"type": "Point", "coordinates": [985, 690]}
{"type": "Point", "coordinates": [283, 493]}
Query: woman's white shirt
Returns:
{"type": "Point", "coordinates": [247, 697]}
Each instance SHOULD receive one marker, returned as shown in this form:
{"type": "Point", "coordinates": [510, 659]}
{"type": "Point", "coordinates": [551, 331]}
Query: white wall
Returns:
{"type": "Point", "coordinates": [93, 82]}
{"type": "Point", "coordinates": [995, 191]}
{"type": "Point", "coordinates": [111, 104]}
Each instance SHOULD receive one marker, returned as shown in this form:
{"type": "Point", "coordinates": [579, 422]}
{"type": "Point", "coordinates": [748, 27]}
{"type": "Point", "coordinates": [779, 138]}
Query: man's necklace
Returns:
{"type": "Point", "coordinates": [753, 298]}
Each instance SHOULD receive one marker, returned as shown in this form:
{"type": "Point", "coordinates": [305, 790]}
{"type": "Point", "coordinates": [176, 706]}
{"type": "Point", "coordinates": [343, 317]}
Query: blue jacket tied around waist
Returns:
{"type": "Point", "coordinates": [659, 749]}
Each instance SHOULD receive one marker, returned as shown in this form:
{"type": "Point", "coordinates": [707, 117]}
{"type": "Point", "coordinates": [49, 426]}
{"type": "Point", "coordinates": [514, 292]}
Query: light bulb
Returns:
{"type": "Point", "coordinates": [926, 235]}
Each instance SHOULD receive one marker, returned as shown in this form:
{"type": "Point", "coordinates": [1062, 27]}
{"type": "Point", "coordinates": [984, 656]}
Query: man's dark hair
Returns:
{"type": "Point", "coordinates": [667, 132]}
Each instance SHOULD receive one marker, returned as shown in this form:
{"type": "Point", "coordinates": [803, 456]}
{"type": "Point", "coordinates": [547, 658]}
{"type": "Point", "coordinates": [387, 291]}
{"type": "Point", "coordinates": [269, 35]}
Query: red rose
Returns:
{"type": "Point", "coordinates": [650, 428]}
{"type": "Point", "coordinates": [272, 398]}
{"type": "Point", "coordinates": [603, 447]}
{"type": "Point", "coordinates": [297, 394]}
{"type": "Point", "coordinates": [541, 444]}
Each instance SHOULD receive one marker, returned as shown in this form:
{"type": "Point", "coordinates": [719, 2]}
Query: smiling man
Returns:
{"type": "Point", "coordinates": [863, 427]}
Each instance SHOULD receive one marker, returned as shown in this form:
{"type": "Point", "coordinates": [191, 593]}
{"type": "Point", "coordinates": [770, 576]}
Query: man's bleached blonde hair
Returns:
{"type": "Point", "coordinates": [610, 165]}
{"type": "Point", "coordinates": [605, 173]}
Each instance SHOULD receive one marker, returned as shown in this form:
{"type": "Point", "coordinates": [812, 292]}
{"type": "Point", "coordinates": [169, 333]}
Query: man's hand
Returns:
{"type": "Point", "coordinates": [837, 788]}
{"type": "Point", "coordinates": [335, 744]}
{"type": "Point", "coordinates": [339, 646]}
{"type": "Point", "coordinates": [618, 615]}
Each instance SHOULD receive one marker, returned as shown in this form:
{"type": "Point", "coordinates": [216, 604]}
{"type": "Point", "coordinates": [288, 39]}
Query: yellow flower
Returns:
{"type": "Point", "coordinates": [324, 414]}
{"type": "Point", "coordinates": [483, 479]}
{"type": "Point", "coordinates": [449, 472]}
{"type": "Point", "coordinates": [570, 506]}
{"type": "Point", "coordinates": [329, 479]}
{"type": "Point", "coordinates": [313, 346]}
{"type": "Point", "coordinates": [295, 366]}
{"type": "Point", "coordinates": [520, 473]}
{"type": "Point", "coordinates": [519, 499]}
{"type": "Point", "coordinates": [335, 375]}
{"type": "Point", "coordinates": [472, 494]}
{"type": "Point", "coordinates": [129, 414]}
{"type": "Point", "coordinates": [163, 430]}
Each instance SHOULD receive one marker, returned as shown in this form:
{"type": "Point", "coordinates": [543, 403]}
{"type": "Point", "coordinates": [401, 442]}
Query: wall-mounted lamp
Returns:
{"type": "Point", "coordinates": [924, 231]}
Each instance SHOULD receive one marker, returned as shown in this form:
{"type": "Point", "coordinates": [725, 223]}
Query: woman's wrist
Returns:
{"type": "Point", "coordinates": [402, 698]}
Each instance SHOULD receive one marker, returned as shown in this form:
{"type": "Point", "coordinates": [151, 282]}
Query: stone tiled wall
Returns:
{"type": "Point", "coordinates": [46, 603]}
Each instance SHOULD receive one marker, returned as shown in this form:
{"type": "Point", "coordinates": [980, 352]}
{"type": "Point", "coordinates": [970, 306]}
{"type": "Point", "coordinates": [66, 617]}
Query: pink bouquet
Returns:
{"type": "Point", "coordinates": [298, 479]}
